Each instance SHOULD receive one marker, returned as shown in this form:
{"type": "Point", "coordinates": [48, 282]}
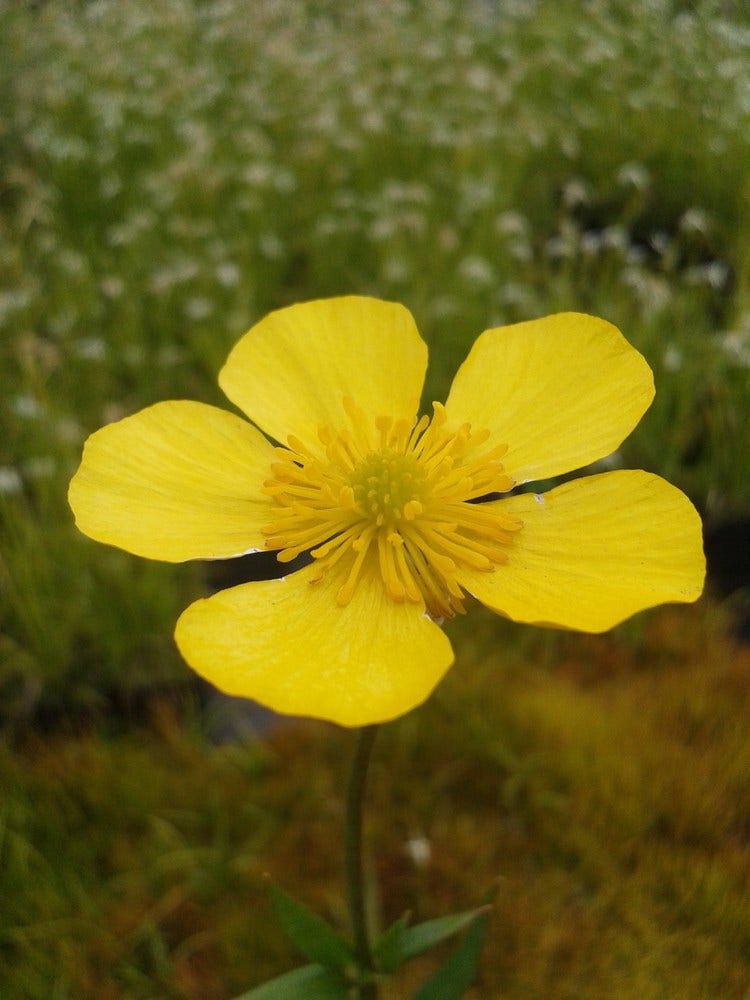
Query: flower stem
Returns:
{"type": "Point", "coordinates": [353, 858]}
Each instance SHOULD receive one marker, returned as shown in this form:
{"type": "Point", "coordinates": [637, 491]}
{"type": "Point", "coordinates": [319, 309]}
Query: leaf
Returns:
{"type": "Point", "coordinates": [457, 972]}
{"type": "Point", "coordinates": [316, 939]}
{"type": "Point", "coordinates": [424, 936]}
{"type": "Point", "coordinates": [310, 982]}
{"type": "Point", "coordinates": [388, 952]}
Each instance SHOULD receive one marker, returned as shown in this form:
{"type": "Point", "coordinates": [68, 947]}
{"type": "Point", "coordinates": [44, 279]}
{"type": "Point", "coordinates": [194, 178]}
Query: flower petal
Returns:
{"type": "Point", "coordinates": [561, 392]}
{"type": "Point", "coordinates": [178, 480]}
{"type": "Point", "coordinates": [288, 645]}
{"type": "Point", "coordinates": [291, 371]}
{"type": "Point", "coordinates": [594, 551]}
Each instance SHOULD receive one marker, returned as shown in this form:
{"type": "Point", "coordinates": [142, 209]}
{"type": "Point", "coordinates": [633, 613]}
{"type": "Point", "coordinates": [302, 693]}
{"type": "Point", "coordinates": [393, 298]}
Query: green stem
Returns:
{"type": "Point", "coordinates": [353, 857]}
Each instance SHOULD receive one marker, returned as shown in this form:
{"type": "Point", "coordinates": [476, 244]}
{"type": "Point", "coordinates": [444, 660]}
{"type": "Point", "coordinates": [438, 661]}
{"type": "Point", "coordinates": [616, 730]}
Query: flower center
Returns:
{"type": "Point", "coordinates": [388, 486]}
{"type": "Point", "coordinates": [393, 496]}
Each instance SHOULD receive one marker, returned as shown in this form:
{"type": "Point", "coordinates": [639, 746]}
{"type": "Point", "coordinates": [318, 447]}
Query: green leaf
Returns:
{"type": "Point", "coordinates": [311, 982]}
{"type": "Point", "coordinates": [388, 952]}
{"type": "Point", "coordinates": [457, 972]}
{"type": "Point", "coordinates": [424, 936]}
{"type": "Point", "coordinates": [316, 939]}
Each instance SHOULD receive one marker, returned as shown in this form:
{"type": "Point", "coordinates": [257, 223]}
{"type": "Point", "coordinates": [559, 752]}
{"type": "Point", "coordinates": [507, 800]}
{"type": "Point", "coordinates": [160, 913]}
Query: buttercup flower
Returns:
{"type": "Point", "coordinates": [404, 517]}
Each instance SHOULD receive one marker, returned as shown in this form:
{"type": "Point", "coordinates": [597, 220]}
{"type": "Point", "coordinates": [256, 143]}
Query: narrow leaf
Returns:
{"type": "Point", "coordinates": [457, 972]}
{"type": "Point", "coordinates": [389, 948]}
{"type": "Point", "coordinates": [424, 936]}
{"type": "Point", "coordinates": [311, 982]}
{"type": "Point", "coordinates": [316, 939]}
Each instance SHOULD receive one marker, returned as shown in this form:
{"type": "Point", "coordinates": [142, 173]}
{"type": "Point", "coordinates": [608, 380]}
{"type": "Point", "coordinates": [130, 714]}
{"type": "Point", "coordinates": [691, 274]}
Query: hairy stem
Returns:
{"type": "Point", "coordinates": [353, 857]}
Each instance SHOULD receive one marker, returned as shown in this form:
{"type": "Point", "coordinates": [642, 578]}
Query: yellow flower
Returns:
{"type": "Point", "coordinates": [387, 504]}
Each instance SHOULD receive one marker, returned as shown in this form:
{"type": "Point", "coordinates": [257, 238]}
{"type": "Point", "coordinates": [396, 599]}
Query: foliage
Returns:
{"type": "Point", "coordinates": [169, 172]}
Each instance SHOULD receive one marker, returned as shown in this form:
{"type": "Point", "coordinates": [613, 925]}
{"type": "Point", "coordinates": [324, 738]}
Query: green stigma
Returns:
{"type": "Point", "coordinates": [388, 486]}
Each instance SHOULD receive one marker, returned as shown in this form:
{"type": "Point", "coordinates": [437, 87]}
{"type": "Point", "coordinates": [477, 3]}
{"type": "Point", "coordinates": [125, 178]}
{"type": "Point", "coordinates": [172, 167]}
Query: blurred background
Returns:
{"type": "Point", "coordinates": [171, 171]}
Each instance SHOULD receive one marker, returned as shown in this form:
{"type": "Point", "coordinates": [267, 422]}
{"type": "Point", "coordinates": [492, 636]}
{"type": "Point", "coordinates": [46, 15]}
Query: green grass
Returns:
{"type": "Point", "coordinates": [168, 173]}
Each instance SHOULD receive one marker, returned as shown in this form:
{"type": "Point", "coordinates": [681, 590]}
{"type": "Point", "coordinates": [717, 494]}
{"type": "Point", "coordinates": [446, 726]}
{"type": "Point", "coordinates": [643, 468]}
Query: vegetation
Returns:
{"type": "Point", "coordinates": [170, 172]}
{"type": "Point", "coordinates": [602, 781]}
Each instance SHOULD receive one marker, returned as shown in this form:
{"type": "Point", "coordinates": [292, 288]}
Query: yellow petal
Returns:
{"type": "Point", "coordinates": [594, 551]}
{"type": "Point", "coordinates": [561, 392]}
{"type": "Point", "coordinates": [178, 480]}
{"type": "Point", "coordinates": [291, 372]}
{"type": "Point", "coordinates": [288, 645]}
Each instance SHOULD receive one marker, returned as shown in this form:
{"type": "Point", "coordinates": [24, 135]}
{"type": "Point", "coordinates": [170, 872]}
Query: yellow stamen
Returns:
{"type": "Point", "coordinates": [392, 497]}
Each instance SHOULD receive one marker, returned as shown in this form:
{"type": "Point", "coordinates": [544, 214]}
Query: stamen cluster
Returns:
{"type": "Point", "coordinates": [394, 496]}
